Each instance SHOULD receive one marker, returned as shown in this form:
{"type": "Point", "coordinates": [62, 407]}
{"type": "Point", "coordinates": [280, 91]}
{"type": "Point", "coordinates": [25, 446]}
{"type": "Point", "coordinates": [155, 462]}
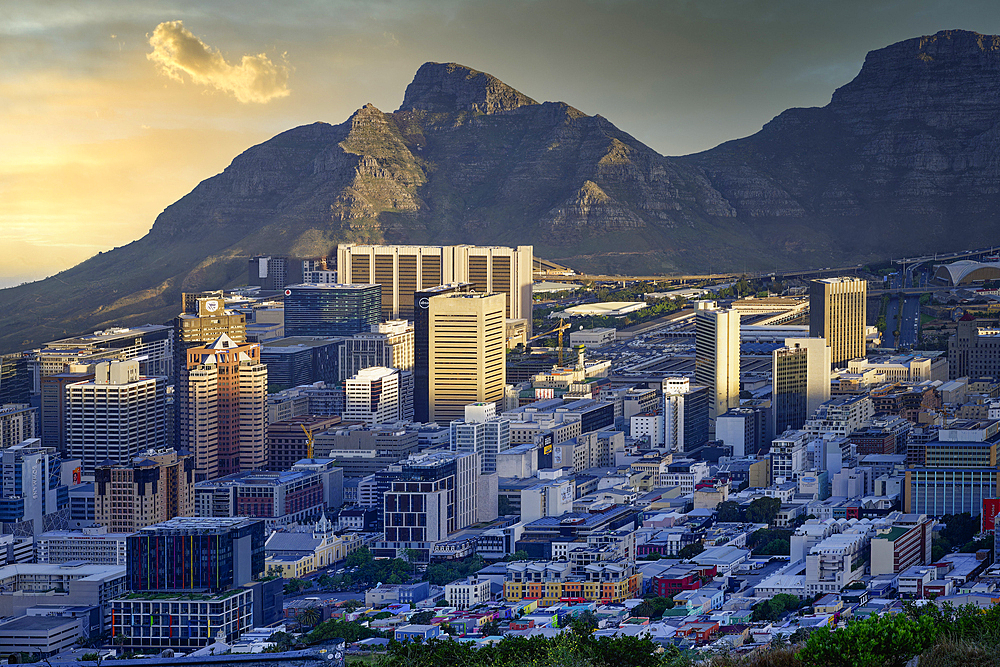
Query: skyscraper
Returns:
{"type": "Point", "coordinates": [331, 309]}
{"type": "Point", "coordinates": [116, 415]}
{"type": "Point", "coordinates": [717, 356]}
{"type": "Point", "coordinates": [202, 321]}
{"type": "Point", "coordinates": [402, 270]}
{"type": "Point", "coordinates": [685, 414]}
{"type": "Point", "coordinates": [154, 486]}
{"type": "Point", "coordinates": [422, 345]}
{"type": "Point", "coordinates": [226, 411]}
{"type": "Point", "coordinates": [800, 376]}
{"type": "Point", "coordinates": [837, 314]}
{"type": "Point", "coordinates": [467, 352]}
{"type": "Point", "coordinates": [388, 344]}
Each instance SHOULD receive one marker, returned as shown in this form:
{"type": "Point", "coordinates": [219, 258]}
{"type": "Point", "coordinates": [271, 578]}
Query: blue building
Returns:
{"type": "Point", "coordinates": [32, 495]}
{"type": "Point", "coordinates": [331, 309]}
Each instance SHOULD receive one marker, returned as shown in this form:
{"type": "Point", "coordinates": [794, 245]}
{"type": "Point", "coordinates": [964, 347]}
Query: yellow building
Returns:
{"type": "Point", "coordinates": [550, 582]}
{"type": "Point", "coordinates": [302, 552]}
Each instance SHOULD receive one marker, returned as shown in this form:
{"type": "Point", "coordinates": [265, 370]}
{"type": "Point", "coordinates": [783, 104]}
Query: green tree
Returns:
{"type": "Point", "coordinates": [422, 617]}
{"type": "Point", "coordinates": [505, 507]}
{"type": "Point", "coordinates": [691, 550]}
{"type": "Point", "coordinates": [886, 640]}
{"type": "Point", "coordinates": [309, 617]}
{"type": "Point", "coordinates": [763, 510]}
{"type": "Point", "coordinates": [520, 554]}
{"type": "Point", "coordinates": [728, 512]}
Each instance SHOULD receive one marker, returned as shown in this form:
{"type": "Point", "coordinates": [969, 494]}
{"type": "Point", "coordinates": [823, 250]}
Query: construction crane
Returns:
{"type": "Point", "coordinates": [309, 440]}
{"type": "Point", "coordinates": [563, 326]}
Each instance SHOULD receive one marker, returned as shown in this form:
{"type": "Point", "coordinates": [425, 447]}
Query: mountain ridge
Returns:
{"type": "Point", "coordinates": [903, 158]}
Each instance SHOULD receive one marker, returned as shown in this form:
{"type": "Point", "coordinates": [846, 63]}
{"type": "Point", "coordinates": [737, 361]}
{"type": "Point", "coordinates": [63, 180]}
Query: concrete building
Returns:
{"type": "Point", "coordinates": [429, 497]}
{"type": "Point", "coordinates": [403, 270]}
{"type": "Point", "coordinates": [204, 318]}
{"type": "Point", "coordinates": [482, 432]}
{"type": "Point", "coordinates": [717, 357]}
{"type": "Point", "coordinates": [226, 412]}
{"type": "Point", "coordinates": [116, 415]}
{"type": "Point", "coordinates": [800, 377]}
{"type": "Point", "coordinates": [467, 358]}
{"type": "Point", "coordinates": [287, 440]}
{"type": "Point", "coordinates": [469, 592]}
{"type": "Point", "coordinates": [389, 344]}
{"type": "Point", "coordinates": [972, 351]}
{"type": "Point", "coordinates": [837, 314]}
{"type": "Point", "coordinates": [898, 547]}
{"type": "Point", "coordinates": [374, 396]}
{"type": "Point", "coordinates": [553, 497]}
{"type": "Point", "coordinates": [743, 429]}
{"type": "Point", "coordinates": [18, 422]}
{"type": "Point", "coordinates": [53, 406]}
{"type": "Point", "coordinates": [955, 472]}
{"type": "Point", "coordinates": [301, 493]}
{"type": "Point", "coordinates": [94, 545]}
{"type": "Point", "coordinates": [833, 563]}
{"type": "Point", "coordinates": [27, 585]}
{"type": "Point", "coordinates": [33, 495]}
{"type": "Point", "coordinates": [422, 344]}
{"type": "Point", "coordinates": [685, 415]}
{"type": "Point", "coordinates": [323, 309]}
{"type": "Point", "coordinates": [155, 486]}
{"type": "Point", "coordinates": [150, 344]}
{"type": "Point", "coordinates": [596, 337]}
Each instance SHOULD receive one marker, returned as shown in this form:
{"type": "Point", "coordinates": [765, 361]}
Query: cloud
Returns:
{"type": "Point", "coordinates": [178, 51]}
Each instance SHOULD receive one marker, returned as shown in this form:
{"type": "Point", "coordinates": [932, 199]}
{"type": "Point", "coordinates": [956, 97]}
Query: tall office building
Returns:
{"type": "Point", "coordinates": [373, 396]}
{"type": "Point", "coordinates": [154, 486]}
{"type": "Point", "coordinates": [150, 344]}
{"type": "Point", "coordinates": [800, 376]}
{"type": "Point", "coordinates": [428, 497]}
{"type": "Point", "coordinates": [717, 357]}
{"type": "Point", "coordinates": [422, 345]}
{"type": "Point", "coordinates": [15, 379]}
{"type": "Point", "coordinates": [18, 422]}
{"type": "Point", "coordinates": [226, 412]}
{"type": "Point", "coordinates": [483, 432]}
{"type": "Point", "coordinates": [274, 273]}
{"type": "Point", "coordinates": [837, 314]}
{"type": "Point", "coordinates": [203, 320]}
{"type": "Point", "coordinates": [53, 407]}
{"type": "Point", "coordinates": [32, 493]}
{"type": "Point", "coordinates": [389, 344]}
{"type": "Point", "coordinates": [685, 415]}
{"type": "Point", "coordinates": [331, 309]}
{"type": "Point", "coordinates": [403, 270]}
{"type": "Point", "coordinates": [467, 358]}
{"type": "Point", "coordinates": [116, 415]}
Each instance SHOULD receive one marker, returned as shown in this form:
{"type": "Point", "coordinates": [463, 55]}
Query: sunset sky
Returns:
{"type": "Point", "coordinates": [110, 111]}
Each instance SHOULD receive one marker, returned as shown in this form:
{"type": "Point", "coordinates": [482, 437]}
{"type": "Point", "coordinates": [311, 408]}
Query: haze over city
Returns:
{"type": "Point", "coordinates": [113, 110]}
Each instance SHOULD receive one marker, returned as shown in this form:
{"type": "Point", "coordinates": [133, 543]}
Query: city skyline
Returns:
{"type": "Point", "coordinates": [115, 110]}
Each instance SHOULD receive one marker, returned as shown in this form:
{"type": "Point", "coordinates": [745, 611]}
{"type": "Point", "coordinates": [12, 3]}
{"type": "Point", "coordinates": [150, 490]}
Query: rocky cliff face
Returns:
{"type": "Point", "coordinates": [903, 159]}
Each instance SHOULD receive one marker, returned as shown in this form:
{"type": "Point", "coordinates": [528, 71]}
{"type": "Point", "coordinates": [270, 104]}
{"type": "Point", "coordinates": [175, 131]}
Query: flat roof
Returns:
{"type": "Point", "coordinates": [28, 623]}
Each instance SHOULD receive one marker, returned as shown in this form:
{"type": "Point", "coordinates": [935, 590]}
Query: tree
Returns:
{"type": "Point", "coordinates": [691, 550]}
{"type": "Point", "coordinates": [309, 617]}
{"type": "Point", "coordinates": [422, 617]}
{"type": "Point", "coordinates": [351, 605]}
{"type": "Point", "coordinates": [763, 510]}
{"type": "Point", "coordinates": [728, 512]}
{"type": "Point", "coordinates": [505, 507]}
{"type": "Point", "coordinates": [489, 629]}
{"type": "Point", "coordinates": [325, 580]}
{"type": "Point", "coordinates": [520, 554]}
{"type": "Point", "coordinates": [888, 640]}
{"type": "Point", "coordinates": [584, 623]}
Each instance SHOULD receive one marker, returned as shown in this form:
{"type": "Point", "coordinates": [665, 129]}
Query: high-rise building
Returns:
{"type": "Point", "coordinates": [32, 493]}
{"type": "Point", "coordinates": [389, 344]}
{"type": "Point", "coordinates": [374, 396]}
{"type": "Point", "coordinates": [685, 415]}
{"type": "Point", "coordinates": [53, 408]}
{"type": "Point", "coordinates": [837, 314]}
{"type": "Point", "coordinates": [717, 357]}
{"type": "Point", "coordinates": [116, 415]}
{"type": "Point", "coordinates": [422, 345]}
{"type": "Point", "coordinates": [331, 309]}
{"type": "Point", "coordinates": [226, 411]}
{"type": "Point", "coordinates": [202, 321]}
{"type": "Point", "coordinates": [403, 270]}
{"type": "Point", "coordinates": [483, 432]}
{"type": "Point", "coordinates": [15, 379]}
{"type": "Point", "coordinates": [467, 352]}
{"type": "Point", "coordinates": [154, 486]}
{"type": "Point", "coordinates": [744, 429]}
{"type": "Point", "coordinates": [429, 497]}
{"type": "Point", "coordinates": [274, 273]}
{"type": "Point", "coordinates": [800, 376]}
{"type": "Point", "coordinates": [18, 422]}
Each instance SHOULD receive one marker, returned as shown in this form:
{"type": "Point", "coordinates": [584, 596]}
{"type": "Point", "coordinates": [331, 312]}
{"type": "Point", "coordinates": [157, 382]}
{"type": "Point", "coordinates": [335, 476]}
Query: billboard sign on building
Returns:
{"type": "Point", "coordinates": [991, 507]}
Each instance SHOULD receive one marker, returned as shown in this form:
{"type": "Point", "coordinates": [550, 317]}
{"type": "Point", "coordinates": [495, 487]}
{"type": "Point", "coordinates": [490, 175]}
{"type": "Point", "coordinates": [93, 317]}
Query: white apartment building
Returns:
{"type": "Point", "coordinates": [373, 397]}
{"type": "Point", "coordinates": [788, 454]}
{"type": "Point", "coordinates": [95, 545]}
{"type": "Point", "coordinates": [841, 416]}
{"type": "Point", "coordinates": [468, 592]}
{"type": "Point", "coordinates": [838, 560]}
{"type": "Point", "coordinates": [648, 425]}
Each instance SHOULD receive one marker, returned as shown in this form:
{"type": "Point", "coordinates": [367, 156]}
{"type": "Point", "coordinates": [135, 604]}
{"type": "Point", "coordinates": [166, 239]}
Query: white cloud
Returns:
{"type": "Point", "coordinates": [178, 51]}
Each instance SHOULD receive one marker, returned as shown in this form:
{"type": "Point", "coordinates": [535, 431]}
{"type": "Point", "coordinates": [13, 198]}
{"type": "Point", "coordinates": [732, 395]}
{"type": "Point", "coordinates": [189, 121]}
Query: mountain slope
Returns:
{"type": "Point", "coordinates": [903, 159]}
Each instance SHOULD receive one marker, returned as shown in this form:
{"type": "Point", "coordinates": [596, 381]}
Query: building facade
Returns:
{"type": "Point", "coordinates": [154, 486]}
{"type": "Point", "coordinates": [331, 309]}
{"type": "Point", "coordinates": [837, 315]}
{"type": "Point", "coordinates": [717, 357]}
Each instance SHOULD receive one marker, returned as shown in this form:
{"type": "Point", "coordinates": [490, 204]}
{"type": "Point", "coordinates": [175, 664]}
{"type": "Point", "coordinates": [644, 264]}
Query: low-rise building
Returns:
{"type": "Point", "coordinates": [94, 545]}
{"type": "Point", "coordinates": [468, 592]}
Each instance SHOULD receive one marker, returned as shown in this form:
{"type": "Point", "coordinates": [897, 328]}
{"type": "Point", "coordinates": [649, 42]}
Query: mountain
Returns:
{"type": "Point", "coordinates": [904, 159]}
